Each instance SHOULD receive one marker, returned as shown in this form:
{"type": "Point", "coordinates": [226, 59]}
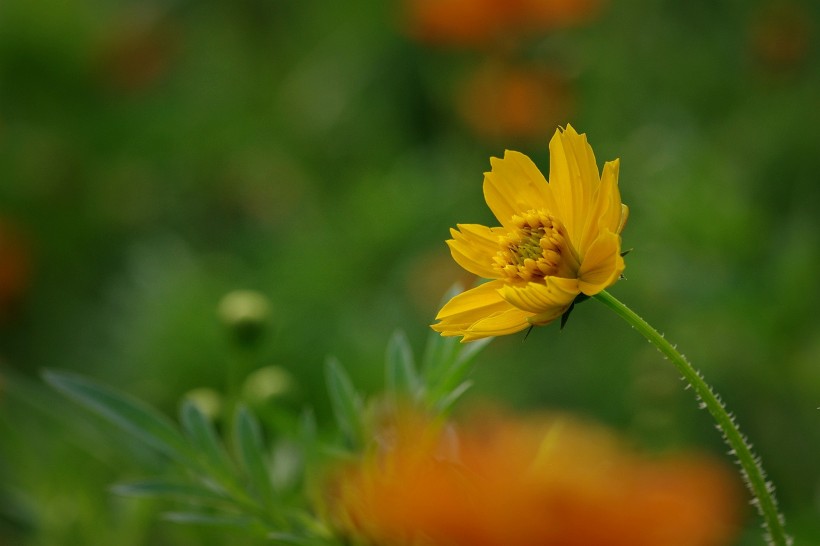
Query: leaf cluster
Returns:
{"type": "Point", "coordinates": [432, 384]}
{"type": "Point", "coordinates": [225, 479]}
{"type": "Point", "coordinates": [227, 475]}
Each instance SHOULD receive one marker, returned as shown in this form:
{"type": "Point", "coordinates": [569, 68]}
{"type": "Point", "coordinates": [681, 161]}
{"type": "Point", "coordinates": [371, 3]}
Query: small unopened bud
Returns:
{"type": "Point", "coordinates": [246, 313]}
{"type": "Point", "coordinates": [266, 383]}
{"type": "Point", "coordinates": [208, 401]}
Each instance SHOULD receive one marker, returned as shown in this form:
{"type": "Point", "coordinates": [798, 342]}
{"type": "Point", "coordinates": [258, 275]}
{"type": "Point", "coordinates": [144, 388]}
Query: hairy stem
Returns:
{"type": "Point", "coordinates": [751, 468]}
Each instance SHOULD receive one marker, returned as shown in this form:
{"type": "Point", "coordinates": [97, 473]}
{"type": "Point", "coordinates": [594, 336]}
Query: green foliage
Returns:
{"type": "Point", "coordinates": [446, 364]}
{"type": "Point", "coordinates": [401, 377]}
{"type": "Point", "coordinates": [347, 403]}
{"type": "Point", "coordinates": [207, 445]}
{"type": "Point", "coordinates": [435, 390]}
{"type": "Point", "coordinates": [251, 451]}
{"type": "Point", "coordinates": [443, 378]}
{"type": "Point", "coordinates": [129, 413]}
{"type": "Point", "coordinates": [446, 377]}
{"type": "Point", "coordinates": [218, 489]}
{"type": "Point", "coordinates": [215, 488]}
{"type": "Point", "coordinates": [184, 492]}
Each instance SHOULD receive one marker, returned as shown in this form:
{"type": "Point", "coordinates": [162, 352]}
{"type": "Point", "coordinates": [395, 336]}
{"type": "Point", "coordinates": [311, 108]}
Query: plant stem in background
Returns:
{"type": "Point", "coordinates": [751, 468]}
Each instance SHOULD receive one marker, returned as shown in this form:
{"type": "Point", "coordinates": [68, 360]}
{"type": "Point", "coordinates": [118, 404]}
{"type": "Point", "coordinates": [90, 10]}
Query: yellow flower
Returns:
{"type": "Point", "coordinates": [544, 480]}
{"type": "Point", "coordinates": [557, 240]}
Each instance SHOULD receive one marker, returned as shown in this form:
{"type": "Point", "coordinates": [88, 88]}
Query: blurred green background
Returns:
{"type": "Point", "coordinates": [155, 156]}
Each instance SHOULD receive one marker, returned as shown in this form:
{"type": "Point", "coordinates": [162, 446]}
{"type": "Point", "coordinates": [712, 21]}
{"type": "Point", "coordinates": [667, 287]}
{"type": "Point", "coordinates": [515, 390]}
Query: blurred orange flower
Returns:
{"type": "Point", "coordinates": [548, 14]}
{"type": "Point", "coordinates": [475, 22]}
{"type": "Point", "coordinates": [138, 50]}
{"type": "Point", "coordinates": [537, 482]}
{"type": "Point", "coordinates": [456, 22]}
{"type": "Point", "coordinates": [15, 267]}
{"type": "Point", "coordinates": [781, 35]}
{"type": "Point", "coordinates": [502, 101]}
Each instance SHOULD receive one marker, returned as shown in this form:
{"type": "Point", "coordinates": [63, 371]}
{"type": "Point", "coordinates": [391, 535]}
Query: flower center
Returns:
{"type": "Point", "coordinates": [537, 247]}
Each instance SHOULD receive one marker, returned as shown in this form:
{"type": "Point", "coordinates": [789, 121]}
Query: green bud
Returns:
{"type": "Point", "coordinates": [266, 383]}
{"type": "Point", "coordinates": [207, 400]}
{"type": "Point", "coordinates": [246, 313]}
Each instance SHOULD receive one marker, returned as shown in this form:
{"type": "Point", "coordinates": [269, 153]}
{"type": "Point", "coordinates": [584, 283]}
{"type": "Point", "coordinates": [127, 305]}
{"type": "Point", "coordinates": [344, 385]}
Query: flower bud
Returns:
{"type": "Point", "coordinates": [207, 401]}
{"type": "Point", "coordinates": [266, 383]}
{"type": "Point", "coordinates": [246, 313]}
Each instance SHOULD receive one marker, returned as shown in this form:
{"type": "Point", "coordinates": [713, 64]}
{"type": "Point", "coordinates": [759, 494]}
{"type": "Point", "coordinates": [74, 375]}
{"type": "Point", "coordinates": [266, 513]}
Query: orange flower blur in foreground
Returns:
{"type": "Point", "coordinates": [542, 482]}
{"type": "Point", "coordinates": [557, 240]}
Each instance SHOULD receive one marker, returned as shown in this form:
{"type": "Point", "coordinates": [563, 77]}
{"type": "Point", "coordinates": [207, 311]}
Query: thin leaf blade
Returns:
{"type": "Point", "coordinates": [130, 414]}
{"type": "Point", "coordinates": [401, 375]}
{"type": "Point", "coordinates": [447, 384]}
{"type": "Point", "coordinates": [203, 437]}
{"type": "Point", "coordinates": [440, 350]}
{"type": "Point", "coordinates": [444, 405]}
{"type": "Point", "coordinates": [250, 450]}
{"type": "Point", "coordinates": [216, 520]}
{"type": "Point", "coordinates": [163, 489]}
{"type": "Point", "coordinates": [346, 402]}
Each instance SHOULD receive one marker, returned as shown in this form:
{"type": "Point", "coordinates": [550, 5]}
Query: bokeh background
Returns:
{"type": "Point", "coordinates": [155, 156]}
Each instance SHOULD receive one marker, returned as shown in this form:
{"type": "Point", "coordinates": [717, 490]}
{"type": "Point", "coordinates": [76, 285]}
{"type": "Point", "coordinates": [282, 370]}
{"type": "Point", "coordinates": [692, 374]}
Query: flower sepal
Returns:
{"type": "Point", "coordinates": [565, 316]}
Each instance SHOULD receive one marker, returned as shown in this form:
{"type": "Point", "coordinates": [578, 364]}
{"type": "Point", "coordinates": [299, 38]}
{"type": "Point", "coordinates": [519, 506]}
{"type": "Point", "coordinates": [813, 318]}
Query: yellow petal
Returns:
{"type": "Point", "coordinates": [515, 185]}
{"type": "Point", "coordinates": [605, 211]}
{"type": "Point", "coordinates": [500, 324]}
{"type": "Point", "coordinates": [623, 218]}
{"type": "Point", "coordinates": [473, 248]}
{"type": "Point", "coordinates": [471, 305]}
{"type": "Point", "coordinates": [611, 206]}
{"type": "Point", "coordinates": [480, 312]}
{"type": "Point", "coordinates": [573, 179]}
{"type": "Point", "coordinates": [602, 264]}
{"type": "Point", "coordinates": [547, 300]}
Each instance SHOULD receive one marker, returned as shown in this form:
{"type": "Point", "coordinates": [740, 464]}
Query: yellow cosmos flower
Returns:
{"type": "Point", "coordinates": [557, 240]}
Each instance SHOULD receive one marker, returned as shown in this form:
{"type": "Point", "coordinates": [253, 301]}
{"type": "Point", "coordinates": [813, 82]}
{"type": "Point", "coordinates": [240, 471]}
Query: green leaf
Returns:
{"type": "Point", "coordinates": [130, 414]}
{"type": "Point", "coordinates": [250, 450]}
{"type": "Point", "coordinates": [203, 438]}
{"type": "Point", "coordinates": [448, 383]}
{"type": "Point", "coordinates": [172, 491]}
{"type": "Point", "coordinates": [307, 427]}
{"type": "Point", "coordinates": [202, 518]}
{"type": "Point", "coordinates": [289, 538]}
{"type": "Point", "coordinates": [444, 404]}
{"type": "Point", "coordinates": [346, 402]}
{"type": "Point", "coordinates": [468, 351]}
{"type": "Point", "coordinates": [439, 352]}
{"type": "Point", "coordinates": [401, 376]}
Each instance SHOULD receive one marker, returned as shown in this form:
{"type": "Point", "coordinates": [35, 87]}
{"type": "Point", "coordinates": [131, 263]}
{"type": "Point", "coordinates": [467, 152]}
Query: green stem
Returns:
{"type": "Point", "coordinates": [751, 469]}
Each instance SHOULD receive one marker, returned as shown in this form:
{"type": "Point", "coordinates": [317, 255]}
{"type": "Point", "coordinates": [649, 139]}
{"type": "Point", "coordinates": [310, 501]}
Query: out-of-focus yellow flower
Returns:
{"type": "Point", "coordinates": [547, 481]}
{"type": "Point", "coordinates": [557, 240]}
